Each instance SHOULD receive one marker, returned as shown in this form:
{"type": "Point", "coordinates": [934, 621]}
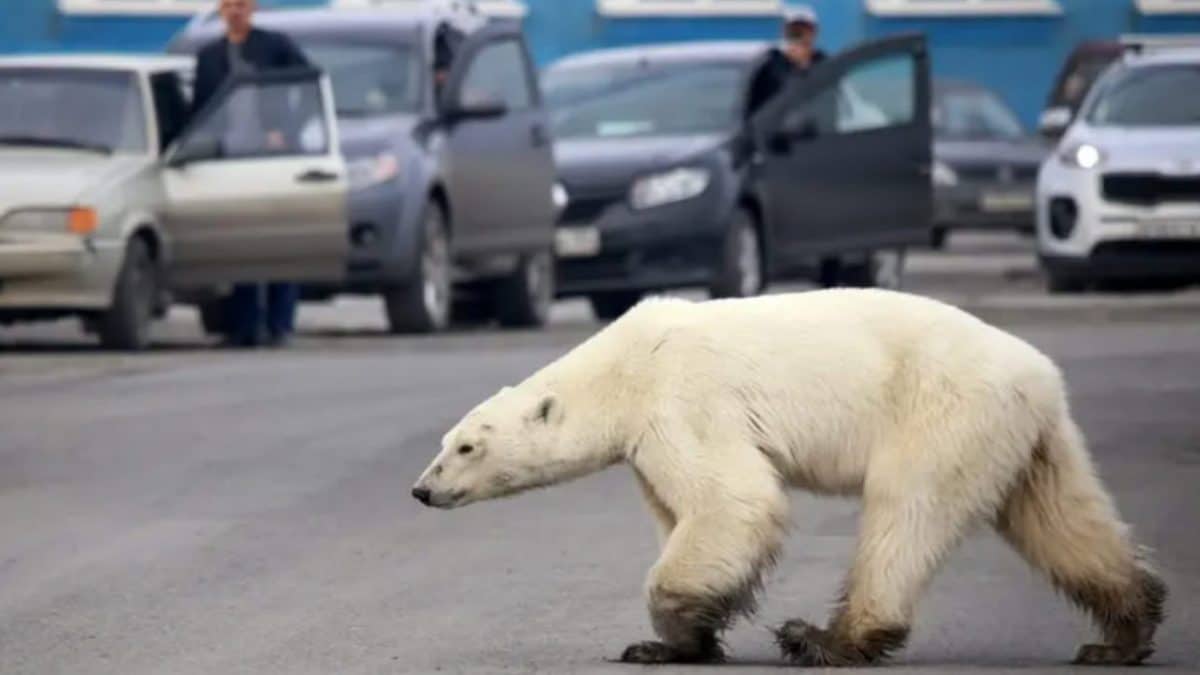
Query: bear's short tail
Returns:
{"type": "Point", "coordinates": [1063, 522]}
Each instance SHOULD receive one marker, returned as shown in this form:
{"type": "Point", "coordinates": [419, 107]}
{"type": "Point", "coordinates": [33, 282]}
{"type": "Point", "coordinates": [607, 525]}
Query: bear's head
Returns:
{"type": "Point", "coordinates": [510, 443]}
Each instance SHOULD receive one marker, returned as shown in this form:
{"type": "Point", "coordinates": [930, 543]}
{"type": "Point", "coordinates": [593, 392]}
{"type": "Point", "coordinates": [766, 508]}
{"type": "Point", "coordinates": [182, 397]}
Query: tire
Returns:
{"type": "Point", "coordinates": [881, 269]}
{"type": "Point", "coordinates": [1060, 284]}
{"type": "Point", "coordinates": [423, 304]}
{"type": "Point", "coordinates": [937, 238]}
{"type": "Point", "coordinates": [524, 299]}
{"type": "Point", "coordinates": [213, 316]}
{"type": "Point", "coordinates": [612, 304]}
{"type": "Point", "coordinates": [125, 326]}
{"type": "Point", "coordinates": [741, 272]}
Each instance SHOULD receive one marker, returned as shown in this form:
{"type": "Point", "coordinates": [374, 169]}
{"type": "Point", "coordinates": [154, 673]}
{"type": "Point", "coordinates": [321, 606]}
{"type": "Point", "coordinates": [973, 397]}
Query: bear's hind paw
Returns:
{"type": "Point", "coordinates": [806, 645]}
{"type": "Point", "coordinates": [660, 652]}
{"type": "Point", "coordinates": [1108, 655]}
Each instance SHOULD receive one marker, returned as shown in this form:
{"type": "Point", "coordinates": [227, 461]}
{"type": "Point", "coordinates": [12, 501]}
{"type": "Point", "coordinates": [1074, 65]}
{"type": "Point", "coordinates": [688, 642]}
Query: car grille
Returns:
{"type": "Point", "coordinates": [1006, 173]}
{"type": "Point", "coordinates": [1150, 188]}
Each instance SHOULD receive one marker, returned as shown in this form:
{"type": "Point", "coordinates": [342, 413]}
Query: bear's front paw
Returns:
{"type": "Point", "coordinates": [660, 652]}
{"type": "Point", "coordinates": [806, 645]}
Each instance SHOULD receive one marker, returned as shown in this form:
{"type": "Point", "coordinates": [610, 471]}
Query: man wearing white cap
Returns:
{"type": "Point", "coordinates": [799, 53]}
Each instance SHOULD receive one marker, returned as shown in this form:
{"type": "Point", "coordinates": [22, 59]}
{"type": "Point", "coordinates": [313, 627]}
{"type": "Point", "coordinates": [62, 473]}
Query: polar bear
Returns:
{"type": "Point", "coordinates": [939, 421]}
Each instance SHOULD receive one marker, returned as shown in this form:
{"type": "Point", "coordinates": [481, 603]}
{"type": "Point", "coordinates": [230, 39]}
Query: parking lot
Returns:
{"type": "Point", "coordinates": [196, 510]}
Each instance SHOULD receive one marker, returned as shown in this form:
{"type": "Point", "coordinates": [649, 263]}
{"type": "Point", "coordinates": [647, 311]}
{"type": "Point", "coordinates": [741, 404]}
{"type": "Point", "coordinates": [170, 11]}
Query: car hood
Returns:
{"type": "Point", "coordinates": [1172, 150]}
{"type": "Point", "coordinates": [599, 163]}
{"type": "Point", "coordinates": [49, 178]}
{"type": "Point", "coordinates": [1022, 152]}
{"type": "Point", "coordinates": [361, 136]}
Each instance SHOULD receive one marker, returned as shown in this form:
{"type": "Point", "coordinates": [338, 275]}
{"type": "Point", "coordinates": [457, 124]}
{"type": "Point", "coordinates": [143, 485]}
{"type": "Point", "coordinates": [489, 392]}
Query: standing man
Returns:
{"type": "Point", "coordinates": [245, 49]}
{"type": "Point", "coordinates": [798, 55]}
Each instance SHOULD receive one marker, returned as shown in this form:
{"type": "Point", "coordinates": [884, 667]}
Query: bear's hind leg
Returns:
{"type": "Point", "coordinates": [1062, 521]}
{"type": "Point", "coordinates": [901, 544]}
{"type": "Point", "coordinates": [710, 568]}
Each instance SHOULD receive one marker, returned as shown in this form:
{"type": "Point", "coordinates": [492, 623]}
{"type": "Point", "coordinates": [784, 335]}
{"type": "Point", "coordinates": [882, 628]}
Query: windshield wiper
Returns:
{"type": "Point", "coordinates": [43, 142]}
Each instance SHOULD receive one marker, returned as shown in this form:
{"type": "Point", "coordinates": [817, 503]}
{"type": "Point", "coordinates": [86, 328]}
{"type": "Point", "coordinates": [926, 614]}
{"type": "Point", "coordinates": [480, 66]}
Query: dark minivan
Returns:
{"type": "Point", "coordinates": [669, 185]}
{"type": "Point", "coordinates": [451, 203]}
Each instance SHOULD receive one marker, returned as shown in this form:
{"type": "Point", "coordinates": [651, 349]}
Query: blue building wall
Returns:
{"type": "Point", "coordinates": [1018, 56]}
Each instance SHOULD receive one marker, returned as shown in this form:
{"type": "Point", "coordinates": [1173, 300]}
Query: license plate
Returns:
{"type": "Point", "coordinates": [1006, 201]}
{"type": "Point", "coordinates": [577, 242]}
{"type": "Point", "coordinates": [1170, 229]}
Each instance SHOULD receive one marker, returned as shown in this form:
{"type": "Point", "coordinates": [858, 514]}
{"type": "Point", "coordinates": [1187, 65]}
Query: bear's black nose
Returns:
{"type": "Point", "coordinates": [421, 494]}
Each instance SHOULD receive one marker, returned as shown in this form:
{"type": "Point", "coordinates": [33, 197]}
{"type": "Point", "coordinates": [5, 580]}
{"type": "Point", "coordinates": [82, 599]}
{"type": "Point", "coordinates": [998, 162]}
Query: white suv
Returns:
{"type": "Point", "coordinates": [1118, 202]}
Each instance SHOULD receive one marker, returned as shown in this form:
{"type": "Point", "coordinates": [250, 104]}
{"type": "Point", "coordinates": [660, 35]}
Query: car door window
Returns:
{"type": "Point", "coordinates": [263, 118]}
{"type": "Point", "coordinates": [170, 107]}
{"type": "Point", "coordinates": [499, 73]}
{"type": "Point", "coordinates": [873, 94]}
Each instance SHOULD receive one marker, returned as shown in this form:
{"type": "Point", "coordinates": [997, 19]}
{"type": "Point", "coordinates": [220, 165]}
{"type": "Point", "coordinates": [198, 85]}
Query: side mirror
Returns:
{"type": "Point", "coordinates": [479, 107]}
{"type": "Point", "coordinates": [195, 150]}
{"type": "Point", "coordinates": [1054, 122]}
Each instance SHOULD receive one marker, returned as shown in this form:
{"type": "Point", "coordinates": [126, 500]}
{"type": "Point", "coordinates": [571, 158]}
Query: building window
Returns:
{"type": "Point", "coordinates": [1169, 6]}
{"type": "Point", "coordinates": [650, 8]}
{"type": "Point", "coordinates": [147, 7]}
{"type": "Point", "coordinates": [514, 9]}
{"type": "Point", "coordinates": [964, 7]}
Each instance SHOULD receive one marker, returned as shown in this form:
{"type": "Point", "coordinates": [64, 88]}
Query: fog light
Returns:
{"type": "Point", "coordinates": [364, 235]}
{"type": "Point", "coordinates": [1064, 214]}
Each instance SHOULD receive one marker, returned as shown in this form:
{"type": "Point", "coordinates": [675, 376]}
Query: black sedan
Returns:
{"type": "Point", "coordinates": [986, 164]}
{"type": "Point", "coordinates": [667, 185]}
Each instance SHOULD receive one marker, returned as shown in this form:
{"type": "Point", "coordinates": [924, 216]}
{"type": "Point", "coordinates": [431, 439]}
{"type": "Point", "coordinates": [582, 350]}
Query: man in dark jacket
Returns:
{"type": "Point", "coordinates": [799, 54]}
{"type": "Point", "coordinates": [258, 121]}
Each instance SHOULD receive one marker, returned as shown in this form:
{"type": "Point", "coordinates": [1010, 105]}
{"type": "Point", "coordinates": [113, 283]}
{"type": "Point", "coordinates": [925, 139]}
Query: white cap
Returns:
{"type": "Point", "coordinates": [800, 14]}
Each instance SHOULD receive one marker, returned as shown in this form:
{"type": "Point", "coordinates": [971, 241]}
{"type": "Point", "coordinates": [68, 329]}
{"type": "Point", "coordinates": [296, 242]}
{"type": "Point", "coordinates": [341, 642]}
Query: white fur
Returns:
{"type": "Point", "coordinates": [931, 415]}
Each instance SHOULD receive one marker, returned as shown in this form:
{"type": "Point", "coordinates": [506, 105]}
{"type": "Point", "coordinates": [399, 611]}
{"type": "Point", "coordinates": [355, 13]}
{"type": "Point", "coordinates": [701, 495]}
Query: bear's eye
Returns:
{"type": "Point", "coordinates": [466, 449]}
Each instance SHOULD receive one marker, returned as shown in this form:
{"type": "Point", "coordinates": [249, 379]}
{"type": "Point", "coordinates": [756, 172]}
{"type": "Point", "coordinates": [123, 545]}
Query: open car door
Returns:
{"type": "Point", "coordinates": [255, 187]}
{"type": "Point", "coordinates": [501, 162]}
{"type": "Point", "coordinates": [847, 152]}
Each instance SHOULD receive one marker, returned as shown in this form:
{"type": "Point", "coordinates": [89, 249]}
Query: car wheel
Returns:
{"type": "Point", "coordinates": [423, 305]}
{"type": "Point", "coordinates": [937, 238]}
{"type": "Point", "coordinates": [881, 269]}
{"type": "Point", "coordinates": [126, 324]}
{"type": "Point", "coordinates": [1063, 284]}
{"type": "Point", "coordinates": [612, 304]}
{"type": "Point", "coordinates": [741, 273]}
{"type": "Point", "coordinates": [213, 316]}
{"type": "Point", "coordinates": [524, 299]}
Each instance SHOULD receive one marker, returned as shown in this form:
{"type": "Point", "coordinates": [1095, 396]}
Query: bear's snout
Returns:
{"type": "Point", "coordinates": [422, 494]}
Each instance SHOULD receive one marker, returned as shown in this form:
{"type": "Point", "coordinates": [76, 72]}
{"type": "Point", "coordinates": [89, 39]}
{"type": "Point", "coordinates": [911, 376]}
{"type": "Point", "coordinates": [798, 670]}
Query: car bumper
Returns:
{"type": "Point", "coordinates": [1131, 260]}
{"type": "Point", "coordinates": [986, 206]}
{"type": "Point", "coordinates": [672, 246]}
{"type": "Point", "coordinates": [1114, 240]}
{"type": "Point", "coordinates": [375, 216]}
{"type": "Point", "coordinates": [56, 272]}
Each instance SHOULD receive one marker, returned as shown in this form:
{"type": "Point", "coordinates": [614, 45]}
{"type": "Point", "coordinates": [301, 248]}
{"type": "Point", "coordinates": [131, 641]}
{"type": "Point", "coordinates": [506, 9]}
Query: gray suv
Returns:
{"type": "Point", "coordinates": [451, 207]}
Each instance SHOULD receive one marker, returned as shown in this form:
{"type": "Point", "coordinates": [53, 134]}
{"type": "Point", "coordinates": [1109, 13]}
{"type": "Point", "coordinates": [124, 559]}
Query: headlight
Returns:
{"type": "Point", "coordinates": [1082, 156]}
{"type": "Point", "coordinates": [560, 196]}
{"type": "Point", "coordinates": [669, 187]}
{"type": "Point", "coordinates": [81, 221]}
{"type": "Point", "coordinates": [368, 172]}
{"type": "Point", "coordinates": [943, 175]}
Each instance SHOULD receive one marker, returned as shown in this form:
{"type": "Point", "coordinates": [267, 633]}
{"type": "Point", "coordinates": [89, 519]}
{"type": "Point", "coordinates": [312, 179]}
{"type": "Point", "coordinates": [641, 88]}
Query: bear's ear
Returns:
{"type": "Point", "coordinates": [547, 409]}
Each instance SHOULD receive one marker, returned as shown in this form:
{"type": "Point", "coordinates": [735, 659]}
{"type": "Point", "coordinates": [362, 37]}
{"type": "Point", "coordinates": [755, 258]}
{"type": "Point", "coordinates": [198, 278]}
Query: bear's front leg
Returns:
{"type": "Point", "coordinates": [707, 575]}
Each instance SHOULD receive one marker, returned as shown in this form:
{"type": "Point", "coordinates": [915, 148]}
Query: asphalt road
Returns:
{"type": "Point", "coordinates": [197, 511]}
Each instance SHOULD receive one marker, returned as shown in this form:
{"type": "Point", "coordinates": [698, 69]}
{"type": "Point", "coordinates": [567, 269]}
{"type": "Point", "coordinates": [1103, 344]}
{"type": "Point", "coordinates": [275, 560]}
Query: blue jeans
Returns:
{"type": "Point", "coordinates": [250, 323]}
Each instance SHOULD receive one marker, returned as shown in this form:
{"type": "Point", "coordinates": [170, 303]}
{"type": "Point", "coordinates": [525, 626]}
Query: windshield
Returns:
{"type": "Point", "coordinates": [369, 80]}
{"type": "Point", "coordinates": [80, 108]}
{"type": "Point", "coordinates": [964, 114]}
{"type": "Point", "coordinates": [631, 101]}
{"type": "Point", "coordinates": [1149, 96]}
